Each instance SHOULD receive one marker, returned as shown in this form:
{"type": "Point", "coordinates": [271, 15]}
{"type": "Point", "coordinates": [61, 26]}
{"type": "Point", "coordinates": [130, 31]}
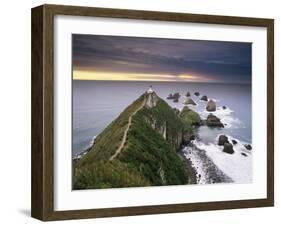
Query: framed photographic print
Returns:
{"type": "Point", "coordinates": [141, 112]}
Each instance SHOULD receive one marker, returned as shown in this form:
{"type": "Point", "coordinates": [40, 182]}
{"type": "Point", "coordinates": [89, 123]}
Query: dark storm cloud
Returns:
{"type": "Point", "coordinates": [220, 61]}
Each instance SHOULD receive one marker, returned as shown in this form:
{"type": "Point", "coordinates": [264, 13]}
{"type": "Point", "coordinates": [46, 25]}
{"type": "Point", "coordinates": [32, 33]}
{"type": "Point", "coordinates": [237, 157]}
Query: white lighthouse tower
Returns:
{"type": "Point", "coordinates": [150, 90]}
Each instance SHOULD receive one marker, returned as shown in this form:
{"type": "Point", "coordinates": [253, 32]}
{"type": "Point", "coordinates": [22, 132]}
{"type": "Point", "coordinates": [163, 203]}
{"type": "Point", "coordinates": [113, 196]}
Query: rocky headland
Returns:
{"type": "Point", "coordinates": [152, 144]}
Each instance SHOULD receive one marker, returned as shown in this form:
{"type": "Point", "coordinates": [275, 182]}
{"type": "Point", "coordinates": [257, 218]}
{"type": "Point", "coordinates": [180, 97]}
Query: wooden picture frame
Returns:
{"type": "Point", "coordinates": [42, 204]}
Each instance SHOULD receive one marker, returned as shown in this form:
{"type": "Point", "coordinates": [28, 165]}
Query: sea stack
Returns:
{"type": "Point", "coordinates": [189, 101]}
{"type": "Point", "coordinates": [214, 121]}
{"type": "Point", "coordinates": [211, 105]}
{"type": "Point", "coordinates": [170, 97]}
{"type": "Point", "coordinates": [205, 98]}
{"type": "Point", "coordinates": [222, 140]}
{"type": "Point", "coordinates": [228, 148]}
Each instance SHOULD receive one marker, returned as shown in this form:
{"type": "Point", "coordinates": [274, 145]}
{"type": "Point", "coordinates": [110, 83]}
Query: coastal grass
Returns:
{"type": "Point", "coordinates": [108, 175]}
{"type": "Point", "coordinates": [148, 152]}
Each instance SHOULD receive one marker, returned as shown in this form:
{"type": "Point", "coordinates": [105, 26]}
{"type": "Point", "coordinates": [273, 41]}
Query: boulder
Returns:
{"type": "Point", "coordinates": [211, 106]}
{"type": "Point", "coordinates": [176, 100]}
{"type": "Point", "coordinates": [222, 140]}
{"type": "Point", "coordinates": [176, 95]}
{"type": "Point", "coordinates": [214, 121]}
{"type": "Point", "coordinates": [186, 138]}
{"type": "Point", "coordinates": [187, 94]}
{"type": "Point", "coordinates": [223, 107]}
{"type": "Point", "coordinates": [205, 98]}
{"type": "Point", "coordinates": [173, 96]}
{"type": "Point", "coordinates": [189, 101]}
{"type": "Point", "coordinates": [244, 154]}
{"type": "Point", "coordinates": [234, 142]}
{"type": "Point", "coordinates": [228, 148]}
{"type": "Point", "coordinates": [197, 94]}
{"type": "Point", "coordinates": [170, 96]}
{"type": "Point", "coordinates": [248, 146]}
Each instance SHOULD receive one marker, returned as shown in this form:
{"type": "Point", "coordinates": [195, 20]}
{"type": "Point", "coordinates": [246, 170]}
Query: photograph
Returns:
{"type": "Point", "coordinates": [159, 112]}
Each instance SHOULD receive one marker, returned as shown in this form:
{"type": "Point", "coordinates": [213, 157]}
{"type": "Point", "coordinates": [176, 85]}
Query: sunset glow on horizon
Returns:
{"type": "Point", "coordinates": [118, 76]}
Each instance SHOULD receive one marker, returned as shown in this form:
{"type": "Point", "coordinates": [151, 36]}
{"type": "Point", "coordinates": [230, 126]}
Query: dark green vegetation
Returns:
{"type": "Point", "coordinates": [149, 156]}
{"type": "Point", "coordinates": [189, 118]}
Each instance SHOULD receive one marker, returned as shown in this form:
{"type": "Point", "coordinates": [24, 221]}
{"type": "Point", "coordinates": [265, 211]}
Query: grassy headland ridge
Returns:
{"type": "Point", "coordinates": [139, 148]}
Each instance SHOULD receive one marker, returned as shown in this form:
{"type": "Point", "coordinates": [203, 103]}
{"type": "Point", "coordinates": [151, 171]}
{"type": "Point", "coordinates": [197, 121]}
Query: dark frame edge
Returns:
{"type": "Point", "coordinates": [42, 203]}
{"type": "Point", "coordinates": [42, 113]}
{"type": "Point", "coordinates": [159, 209]}
{"type": "Point", "coordinates": [270, 111]}
{"type": "Point", "coordinates": [37, 185]}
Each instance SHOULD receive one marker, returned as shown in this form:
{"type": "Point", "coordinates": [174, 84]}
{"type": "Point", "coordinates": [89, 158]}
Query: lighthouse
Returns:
{"type": "Point", "coordinates": [150, 90]}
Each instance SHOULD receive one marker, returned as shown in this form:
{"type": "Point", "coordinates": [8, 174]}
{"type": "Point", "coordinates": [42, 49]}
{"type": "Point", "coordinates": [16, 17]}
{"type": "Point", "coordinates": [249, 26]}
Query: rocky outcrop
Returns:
{"type": "Point", "coordinates": [205, 98]}
{"type": "Point", "coordinates": [187, 138]}
{"type": "Point", "coordinates": [228, 148]}
{"type": "Point", "coordinates": [213, 121]}
{"type": "Point", "coordinates": [197, 94]}
{"type": "Point", "coordinates": [189, 101]}
{"type": "Point", "coordinates": [248, 147]}
{"type": "Point", "coordinates": [234, 142]}
{"type": "Point", "coordinates": [170, 97]}
{"type": "Point", "coordinates": [211, 105]}
{"type": "Point", "coordinates": [151, 100]}
{"type": "Point", "coordinates": [222, 140]}
{"type": "Point", "coordinates": [177, 95]}
{"type": "Point", "coordinates": [173, 96]}
{"type": "Point", "coordinates": [190, 118]}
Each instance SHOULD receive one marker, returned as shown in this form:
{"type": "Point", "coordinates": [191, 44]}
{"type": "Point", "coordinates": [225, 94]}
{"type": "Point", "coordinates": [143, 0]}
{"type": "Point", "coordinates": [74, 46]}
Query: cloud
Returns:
{"type": "Point", "coordinates": [220, 61]}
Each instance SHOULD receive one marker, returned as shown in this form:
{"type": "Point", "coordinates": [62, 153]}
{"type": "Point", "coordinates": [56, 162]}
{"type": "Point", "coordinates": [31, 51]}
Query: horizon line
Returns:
{"type": "Point", "coordinates": [174, 81]}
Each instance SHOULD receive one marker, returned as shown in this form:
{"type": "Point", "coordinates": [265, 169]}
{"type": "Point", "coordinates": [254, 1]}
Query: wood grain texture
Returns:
{"type": "Point", "coordinates": [37, 158]}
{"type": "Point", "coordinates": [43, 107]}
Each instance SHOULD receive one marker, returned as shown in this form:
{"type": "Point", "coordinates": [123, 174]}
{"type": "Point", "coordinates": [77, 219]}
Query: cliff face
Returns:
{"type": "Point", "coordinates": [137, 149]}
{"type": "Point", "coordinates": [151, 100]}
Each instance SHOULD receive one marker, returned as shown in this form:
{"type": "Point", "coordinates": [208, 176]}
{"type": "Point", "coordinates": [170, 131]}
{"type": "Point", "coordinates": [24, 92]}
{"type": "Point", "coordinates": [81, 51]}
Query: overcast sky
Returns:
{"type": "Point", "coordinates": [98, 57]}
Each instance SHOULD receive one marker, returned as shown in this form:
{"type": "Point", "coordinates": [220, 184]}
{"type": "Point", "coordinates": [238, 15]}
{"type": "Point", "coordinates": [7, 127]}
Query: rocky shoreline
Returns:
{"type": "Point", "coordinates": [205, 171]}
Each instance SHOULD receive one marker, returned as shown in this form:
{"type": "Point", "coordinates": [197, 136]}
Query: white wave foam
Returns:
{"type": "Point", "coordinates": [231, 122]}
{"type": "Point", "coordinates": [226, 117]}
{"type": "Point", "coordinates": [92, 141]}
{"type": "Point", "coordinates": [220, 112]}
{"type": "Point", "coordinates": [236, 166]}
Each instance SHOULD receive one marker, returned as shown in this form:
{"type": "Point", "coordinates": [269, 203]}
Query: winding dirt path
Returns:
{"type": "Point", "coordinates": [126, 132]}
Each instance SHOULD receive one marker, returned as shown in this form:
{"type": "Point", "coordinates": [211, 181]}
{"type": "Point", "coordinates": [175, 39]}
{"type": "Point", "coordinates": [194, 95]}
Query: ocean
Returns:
{"type": "Point", "coordinates": [98, 103]}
